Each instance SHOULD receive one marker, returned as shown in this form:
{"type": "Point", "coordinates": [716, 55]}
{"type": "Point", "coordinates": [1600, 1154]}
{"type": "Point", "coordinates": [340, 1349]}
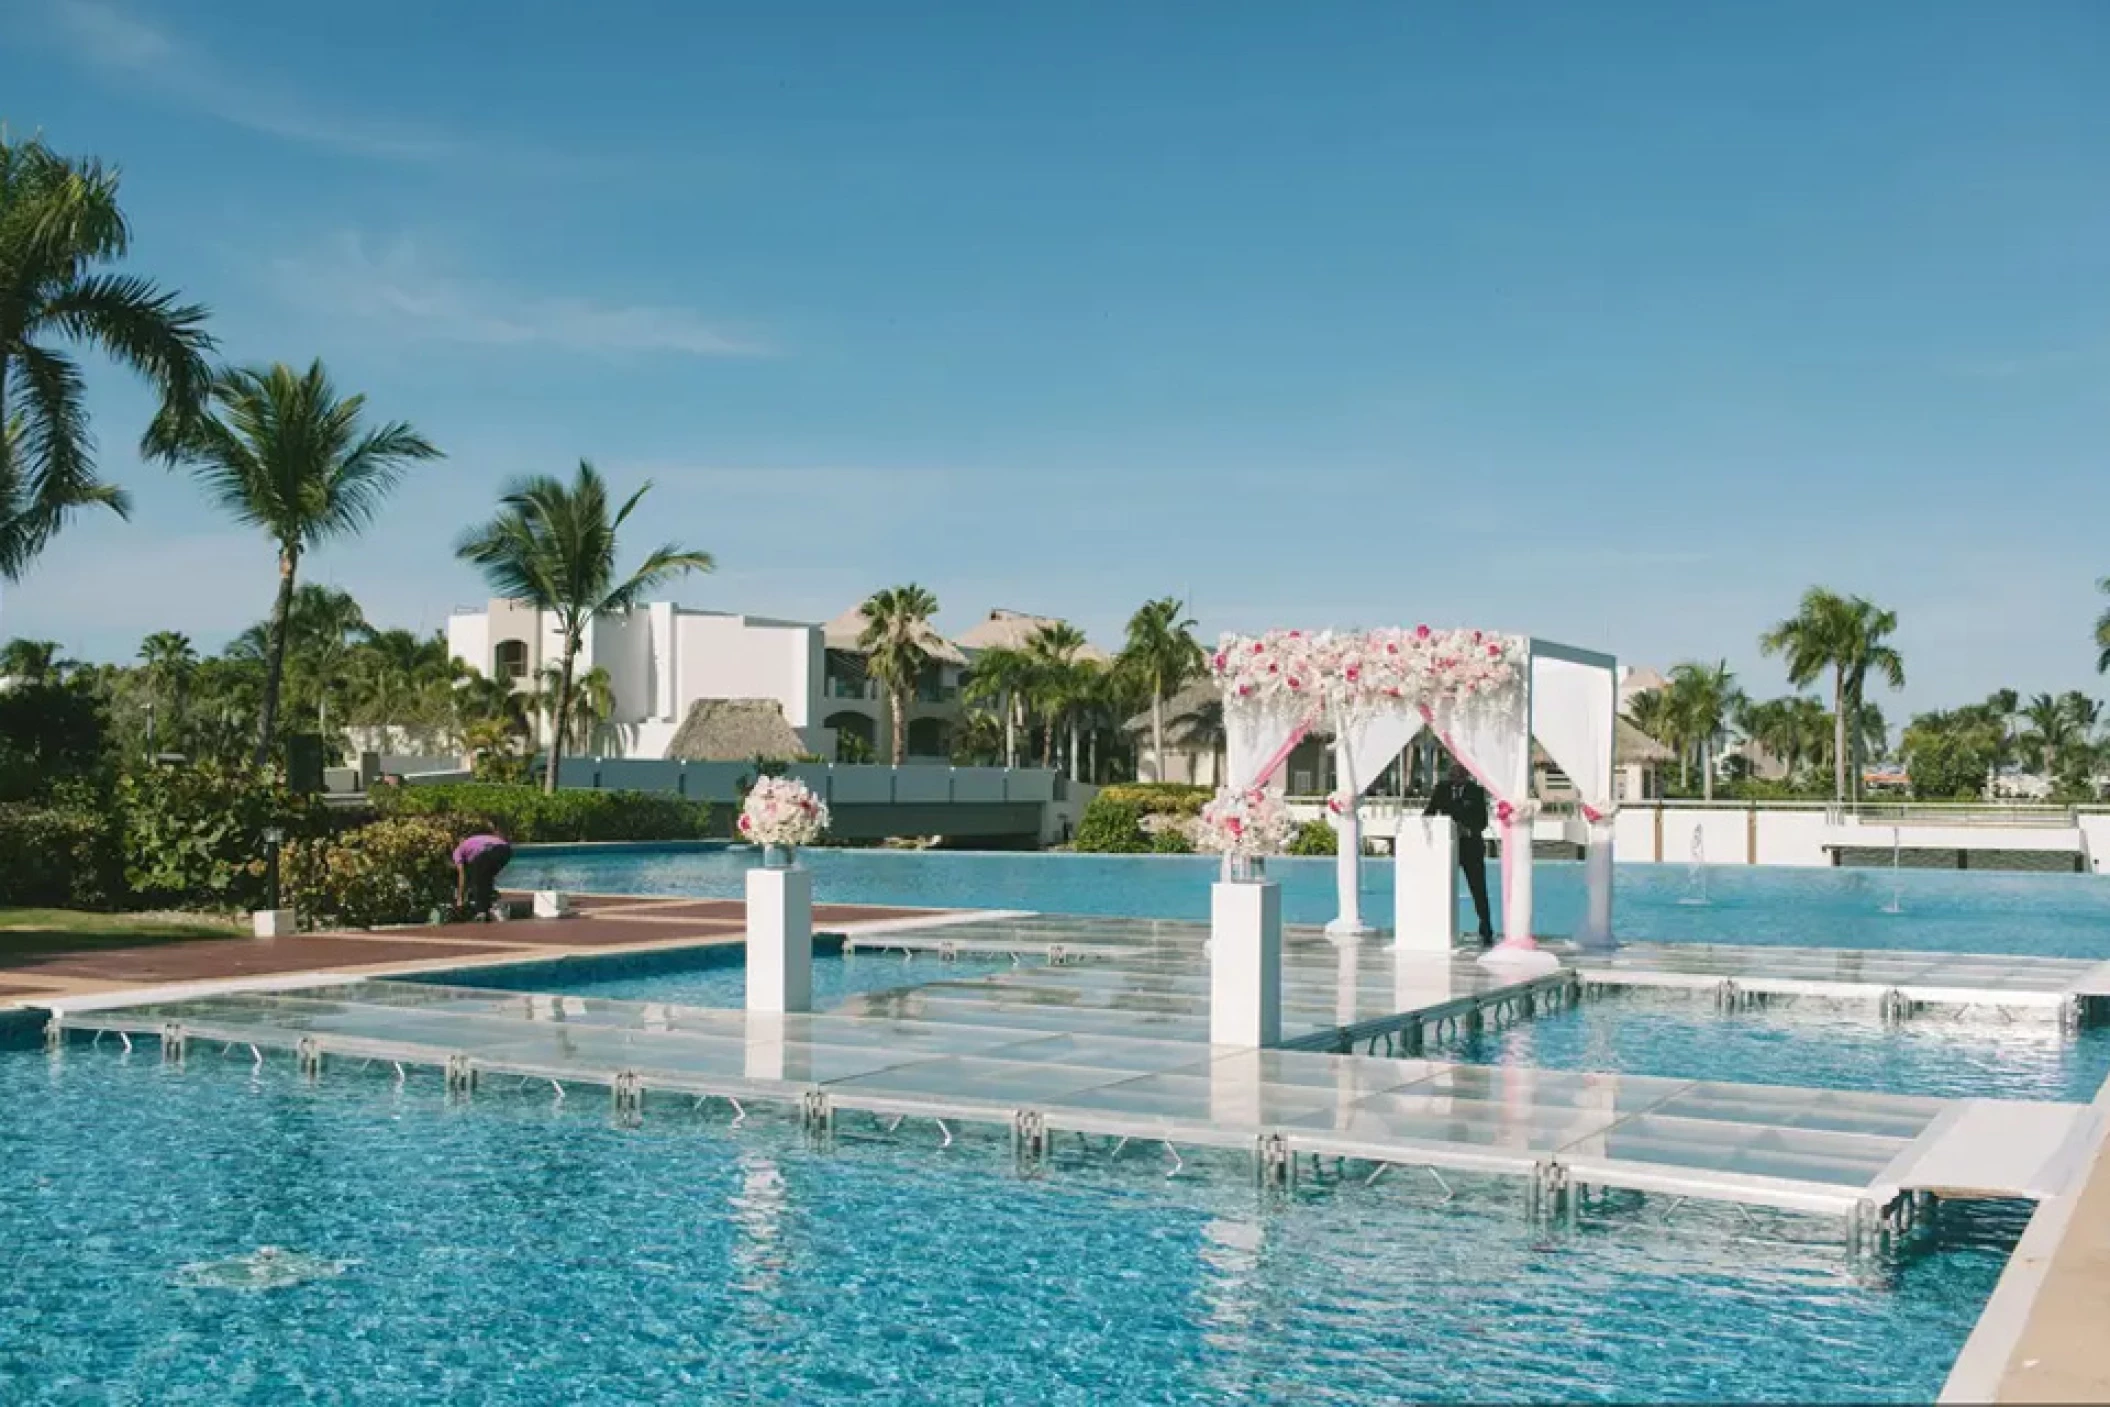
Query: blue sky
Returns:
{"type": "Point", "coordinates": [1618, 324]}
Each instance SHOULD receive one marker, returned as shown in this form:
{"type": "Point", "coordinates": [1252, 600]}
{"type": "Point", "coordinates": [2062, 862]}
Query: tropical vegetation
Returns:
{"type": "Point", "coordinates": [281, 451]}
{"type": "Point", "coordinates": [897, 642]}
{"type": "Point", "coordinates": [553, 546]}
{"type": "Point", "coordinates": [61, 227]}
{"type": "Point", "coordinates": [1849, 636]}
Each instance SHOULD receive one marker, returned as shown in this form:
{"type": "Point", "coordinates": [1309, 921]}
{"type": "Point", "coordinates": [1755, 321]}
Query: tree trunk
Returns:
{"type": "Point", "coordinates": [1092, 772]}
{"type": "Point", "coordinates": [1047, 742]}
{"type": "Point", "coordinates": [1157, 735]}
{"type": "Point", "coordinates": [275, 655]}
{"type": "Point", "coordinates": [1074, 751]}
{"type": "Point", "coordinates": [1010, 729]}
{"type": "Point", "coordinates": [563, 711]}
{"type": "Point", "coordinates": [1707, 769]}
{"type": "Point", "coordinates": [1839, 733]}
{"type": "Point", "coordinates": [897, 704]}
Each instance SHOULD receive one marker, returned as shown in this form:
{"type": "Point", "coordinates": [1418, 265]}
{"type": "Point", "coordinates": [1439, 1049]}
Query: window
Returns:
{"type": "Point", "coordinates": [511, 659]}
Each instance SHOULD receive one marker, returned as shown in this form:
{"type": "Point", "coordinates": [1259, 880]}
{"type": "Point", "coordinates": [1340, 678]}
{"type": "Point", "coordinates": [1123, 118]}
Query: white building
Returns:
{"type": "Point", "coordinates": [661, 659]}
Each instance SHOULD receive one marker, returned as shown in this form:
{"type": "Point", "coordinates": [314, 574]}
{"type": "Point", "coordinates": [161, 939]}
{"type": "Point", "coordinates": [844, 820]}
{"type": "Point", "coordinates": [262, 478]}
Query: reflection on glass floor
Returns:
{"type": "Point", "coordinates": [1808, 1150]}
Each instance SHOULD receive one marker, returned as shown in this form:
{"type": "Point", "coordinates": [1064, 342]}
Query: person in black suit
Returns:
{"type": "Point", "coordinates": [1464, 800]}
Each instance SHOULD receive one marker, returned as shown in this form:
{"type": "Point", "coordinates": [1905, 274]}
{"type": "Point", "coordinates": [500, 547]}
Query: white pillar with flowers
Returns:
{"type": "Point", "coordinates": [780, 814]}
{"type": "Point", "coordinates": [1245, 917]}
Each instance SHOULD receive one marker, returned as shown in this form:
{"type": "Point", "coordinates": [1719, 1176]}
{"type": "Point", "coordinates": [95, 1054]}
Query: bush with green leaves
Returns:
{"type": "Point", "coordinates": [394, 871]}
{"type": "Point", "coordinates": [51, 734]}
{"type": "Point", "coordinates": [193, 834]}
{"type": "Point", "coordinates": [524, 814]}
{"type": "Point", "coordinates": [62, 856]}
{"type": "Point", "coordinates": [1160, 798]}
{"type": "Point", "coordinates": [1111, 827]}
{"type": "Point", "coordinates": [1315, 838]}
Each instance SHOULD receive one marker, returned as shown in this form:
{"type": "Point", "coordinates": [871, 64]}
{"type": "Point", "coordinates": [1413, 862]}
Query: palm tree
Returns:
{"type": "Point", "coordinates": [2102, 632]}
{"type": "Point", "coordinates": [552, 546]}
{"type": "Point", "coordinates": [2056, 728]}
{"type": "Point", "coordinates": [324, 627]}
{"type": "Point", "coordinates": [1702, 700]}
{"type": "Point", "coordinates": [1161, 654]}
{"type": "Point", "coordinates": [592, 705]}
{"type": "Point", "coordinates": [1650, 711]}
{"type": "Point", "coordinates": [1053, 651]}
{"type": "Point", "coordinates": [897, 644]}
{"type": "Point", "coordinates": [1847, 635]}
{"type": "Point", "coordinates": [33, 662]}
{"type": "Point", "coordinates": [59, 222]}
{"type": "Point", "coordinates": [168, 664]}
{"type": "Point", "coordinates": [1205, 723]}
{"type": "Point", "coordinates": [1004, 678]}
{"type": "Point", "coordinates": [279, 450]}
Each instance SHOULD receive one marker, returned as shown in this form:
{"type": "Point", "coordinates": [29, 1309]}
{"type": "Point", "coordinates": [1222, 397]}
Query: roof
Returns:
{"type": "Point", "coordinates": [1181, 711]}
{"type": "Point", "coordinates": [847, 630]}
{"type": "Point", "coordinates": [1636, 681]}
{"type": "Point", "coordinates": [1010, 630]}
{"type": "Point", "coordinates": [735, 730]}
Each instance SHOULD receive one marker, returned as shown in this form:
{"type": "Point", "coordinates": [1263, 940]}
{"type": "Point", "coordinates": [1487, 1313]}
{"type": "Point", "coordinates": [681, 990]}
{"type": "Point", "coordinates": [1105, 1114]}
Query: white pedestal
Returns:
{"type": "Point", "coordinates": [1245, 964]}
{"type": "Point", "coordinates": [273, 923]}
{"type": "Point", "coordinates": [1425, 885]}
{"type": "Point", "coordinates": [551, 904]}
{"type": "Point", "coordinates": [779, 940]}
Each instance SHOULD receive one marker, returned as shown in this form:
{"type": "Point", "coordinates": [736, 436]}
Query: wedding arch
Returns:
{"type": "Point", "coordinates": [1484, 695]}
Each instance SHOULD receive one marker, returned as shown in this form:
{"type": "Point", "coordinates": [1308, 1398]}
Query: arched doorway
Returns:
{"type": "Point", "coordinates": [927, 737]}
{"type": "Point", "coordinates": [856, 736]}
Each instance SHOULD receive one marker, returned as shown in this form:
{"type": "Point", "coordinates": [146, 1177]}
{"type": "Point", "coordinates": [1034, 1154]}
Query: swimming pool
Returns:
{"type": "Point", "coordinates": [2048, 915]}
{"type": "Point", "coordinates": [520, 1249]}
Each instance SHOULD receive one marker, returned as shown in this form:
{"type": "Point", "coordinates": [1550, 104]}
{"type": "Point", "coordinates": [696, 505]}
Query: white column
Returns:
{"type": "Point", "coordinates": [1348, 852]}
{"type": "Point", "coordinates": [1347, 979]}
{"type": "Point", "coordinates": [1596, 931]}
{"type": "Point", "coordinates": [1425, 885]}
{"type": "Point", "coordinates": [779, 940]}
{"type": "Point", "coordinates": [1245, 964]}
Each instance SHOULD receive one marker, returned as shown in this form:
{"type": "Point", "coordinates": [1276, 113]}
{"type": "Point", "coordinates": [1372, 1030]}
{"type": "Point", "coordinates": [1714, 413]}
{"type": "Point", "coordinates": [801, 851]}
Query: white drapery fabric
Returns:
{"type": "Point", "coordinates": [1491, 735]}
{"type": "Point", "coordinates": [1373, 741]}
{"type": "Point", "coordinates": [1258, 739]}
{"type": "Point", "coordinates": [1575, 708]}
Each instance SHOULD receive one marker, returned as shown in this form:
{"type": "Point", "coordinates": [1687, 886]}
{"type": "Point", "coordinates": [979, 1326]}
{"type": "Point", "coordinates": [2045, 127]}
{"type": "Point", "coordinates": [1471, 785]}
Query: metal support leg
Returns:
{"type": "Point", "coordinates": [308, 1056]}
{"type": "Point", "coordinates": [1029, 1138]}
{"type": "Point", "coordinates": [461, 1075]}
{"type": "Point", "coordinates": [1275, 1165]}
{"type": "Point", "coordinates": [173, 1042]}
{"type": "Point", "coordinates": [54, 1036]}
{"type": "Point", "coordinates": [817, 1113]}
{"type": "Point", "coordinates": [627, 1093]}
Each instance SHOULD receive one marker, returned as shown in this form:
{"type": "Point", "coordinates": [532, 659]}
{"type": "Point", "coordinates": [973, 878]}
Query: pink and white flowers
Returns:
{"type": "Point", "coordinates": [782, 811]}
{"type": "Point", "coordinates": [1360, 671]}
{"type": "Point", "coordinates": [1245, 823]}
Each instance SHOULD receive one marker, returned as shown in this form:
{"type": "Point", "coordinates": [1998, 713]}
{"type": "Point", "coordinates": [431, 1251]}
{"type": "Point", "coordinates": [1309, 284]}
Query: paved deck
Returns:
{"type": "Point", "coordinates": [604, 923]}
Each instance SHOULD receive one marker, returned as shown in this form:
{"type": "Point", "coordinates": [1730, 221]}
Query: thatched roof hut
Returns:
{"type": "Point", "coordinates": [735, 730]}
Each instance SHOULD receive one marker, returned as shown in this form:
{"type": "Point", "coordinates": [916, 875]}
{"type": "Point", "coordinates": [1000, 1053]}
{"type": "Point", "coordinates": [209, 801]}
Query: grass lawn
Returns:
{"type": "Point", "coordinates": [38, 932]}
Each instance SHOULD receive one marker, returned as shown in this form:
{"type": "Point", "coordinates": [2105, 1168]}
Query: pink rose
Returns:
{"type": "Point", "coordinates": [1421, 632]}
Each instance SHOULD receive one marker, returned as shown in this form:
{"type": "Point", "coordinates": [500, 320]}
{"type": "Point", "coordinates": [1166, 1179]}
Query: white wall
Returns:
{"type": "Point", "coordinates": [737, 657]}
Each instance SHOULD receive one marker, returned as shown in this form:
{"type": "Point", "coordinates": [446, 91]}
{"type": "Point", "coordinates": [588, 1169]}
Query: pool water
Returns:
{"type": "Point", "coordinates": [520, 1251]}
{"type": "Point", "coordinates": [1946, 911]}
{"type": "Point", "coordinates": [1808, 1043]}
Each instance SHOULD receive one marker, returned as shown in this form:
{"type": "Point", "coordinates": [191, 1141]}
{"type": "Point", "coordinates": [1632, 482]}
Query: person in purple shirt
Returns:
{"type": "Point", "coordinates": [477, 863]}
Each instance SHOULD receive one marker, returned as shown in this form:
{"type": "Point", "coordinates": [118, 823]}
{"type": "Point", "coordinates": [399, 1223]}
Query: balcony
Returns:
{"type": "Point", "coordinates": [835, 687]}
{"type": "Point", "coordinates": [937, 693]}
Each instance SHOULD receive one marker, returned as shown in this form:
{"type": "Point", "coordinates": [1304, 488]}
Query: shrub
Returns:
{"type": "Point", "coordinates": [1315, 838]}
{"type": "Point", "coordinates": [393, 871]}
{"type": "Point", "coordinates": [193, 835]}
{"type": "Point", "coordinates": [1160, 798]}
{"type": "Point", "coordinates": [50, 734]}
{"type": "Point", "coordinates": [1111, 826]}
{"type": "Point", "coordinates": [59, 857]}
{"type": "Point", "coordinates": [524, 813]}
{"type": "Point", "coordinates": [1171, 842]}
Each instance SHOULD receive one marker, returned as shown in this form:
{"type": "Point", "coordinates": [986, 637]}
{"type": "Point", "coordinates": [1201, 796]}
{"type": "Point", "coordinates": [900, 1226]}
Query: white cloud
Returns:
{"type": "Point", "coordinates": [103, 36]}
{"type": "Point", "coordinates": [400, 287]}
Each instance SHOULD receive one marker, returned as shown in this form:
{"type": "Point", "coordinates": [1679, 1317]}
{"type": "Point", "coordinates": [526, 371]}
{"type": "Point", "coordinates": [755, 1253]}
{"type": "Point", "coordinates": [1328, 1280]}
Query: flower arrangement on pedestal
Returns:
{"type": "Point", "coordinates": [781, 814]}
{"type": "Point", "coordinates": [1244, 827]}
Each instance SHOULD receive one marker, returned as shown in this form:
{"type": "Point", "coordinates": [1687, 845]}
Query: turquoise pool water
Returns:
{"type": "Point", "coordinates": [2050, 915]}
{"type": "Point", "coordinates": [516, 1251]}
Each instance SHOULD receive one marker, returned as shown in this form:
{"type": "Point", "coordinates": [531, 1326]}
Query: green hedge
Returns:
{"type": "Point", "coordinates": [1111, 827]}
{"type": "Point", "coordinates": [1315, 838]}
{"type": "Point", "coordinates": [1159, 798]}
{"type": "Point", "coordinates": [393, 871]}
{"type": "Point", "coordinates": [61, 857]}
{"type": "Point", "coordinates": [525, 814]}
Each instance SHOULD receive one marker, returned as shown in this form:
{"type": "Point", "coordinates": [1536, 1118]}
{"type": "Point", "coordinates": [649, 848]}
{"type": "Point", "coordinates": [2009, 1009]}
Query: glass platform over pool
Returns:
{"type": "Point", "coordinates": [1114, 1046]}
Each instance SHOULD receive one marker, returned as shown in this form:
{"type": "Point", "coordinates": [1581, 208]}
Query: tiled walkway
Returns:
{"type": "Point", "coordinates": [603, 923]}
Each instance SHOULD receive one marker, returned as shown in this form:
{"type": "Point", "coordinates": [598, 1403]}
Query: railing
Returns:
{"type": "Point", "coordinates": [1957, 814]}
{"type": "Point", "coordinates": [937, 693]}
{"type": "Point", "coordinates": [836, 688]}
